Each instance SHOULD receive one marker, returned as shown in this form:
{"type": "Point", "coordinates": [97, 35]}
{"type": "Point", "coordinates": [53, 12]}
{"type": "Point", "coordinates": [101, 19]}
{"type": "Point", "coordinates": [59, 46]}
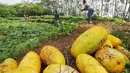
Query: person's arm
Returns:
{"type": "Point", "coordinates": [85, 8]}
{"type": "Point", "coordinates": [82, 9]}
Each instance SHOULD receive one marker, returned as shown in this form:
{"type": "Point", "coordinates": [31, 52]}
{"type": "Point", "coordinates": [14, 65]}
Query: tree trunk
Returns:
{"type": "Point", "coordinates": [115, 9]}
{"type": "Point", "coordinates": [66, 9]}
{"type": "Point", "coordinates": [129, 13]}
{"type": "Point", "coordinates": [129, 10]}
{"type": "Point", "coordinates": [92, 1]}
{"type": "Point", "coordinates": [125, 8]}
{"type": "Point", "coordinates": [102, 9]}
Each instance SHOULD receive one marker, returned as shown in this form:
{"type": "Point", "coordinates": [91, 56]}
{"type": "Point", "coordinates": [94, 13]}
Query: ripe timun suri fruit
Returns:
{"type": "Point", "coordinates": [90, 41]}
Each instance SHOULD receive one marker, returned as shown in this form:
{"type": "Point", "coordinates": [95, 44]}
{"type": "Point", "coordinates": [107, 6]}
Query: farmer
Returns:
{"type": "Point", "coordinates": [89, 9]}
{"type": "Point", "coordinates": [26, 18]}
{"type": "Point", "coordinates": [56, 17]}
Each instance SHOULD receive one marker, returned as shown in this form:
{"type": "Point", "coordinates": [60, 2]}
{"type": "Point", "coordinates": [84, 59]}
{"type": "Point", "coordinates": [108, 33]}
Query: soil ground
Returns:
{"type": "Point", "coordinates": [64, 43]}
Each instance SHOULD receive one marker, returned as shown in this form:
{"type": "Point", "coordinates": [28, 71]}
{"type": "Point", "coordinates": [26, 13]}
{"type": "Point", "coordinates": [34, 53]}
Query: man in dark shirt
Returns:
{"type": "Point", "coordinates": [56, 17]}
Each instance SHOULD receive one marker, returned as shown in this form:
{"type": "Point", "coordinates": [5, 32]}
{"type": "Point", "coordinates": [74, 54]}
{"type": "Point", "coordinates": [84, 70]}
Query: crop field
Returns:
{"type": "Point", "coordinates": [18, 37]}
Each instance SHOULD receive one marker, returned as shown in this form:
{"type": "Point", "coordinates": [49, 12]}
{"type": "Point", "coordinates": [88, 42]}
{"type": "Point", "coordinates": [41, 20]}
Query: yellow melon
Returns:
{"type": "Point", "coordinates": [114, 40]}
{"type": "Point", "coordinates": [51, 55]}
{"type": "Point", "coordinates": [90, 41]}
{"type": "Point", "coordinates": [87, 64]}
{"type": "Point", "coordinates": [24, 70]}
{"type": "Point", "coordinates": [113, 60]}
{"type": "Point", "coordinates": [8, 65]}
{"type": "Point", "coordinates": [31, 59]}
{"type": "Point", "coordinates": [107, 44]}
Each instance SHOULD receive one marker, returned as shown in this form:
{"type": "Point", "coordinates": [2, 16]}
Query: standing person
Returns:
{"type": "Point", "coordinates": [56, 17]}
{"type": "Point", "coordinates": [26, 18]}
{"type": "Point", "coordinates": [89, 9]}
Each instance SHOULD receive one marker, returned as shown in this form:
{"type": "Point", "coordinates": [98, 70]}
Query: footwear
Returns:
{"type": "Point", "coordinates": [91, 22]}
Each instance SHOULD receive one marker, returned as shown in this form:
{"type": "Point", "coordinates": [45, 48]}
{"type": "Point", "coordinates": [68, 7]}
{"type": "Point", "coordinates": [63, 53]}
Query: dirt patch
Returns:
{"type": "Point", "coordinates": [64, 45]}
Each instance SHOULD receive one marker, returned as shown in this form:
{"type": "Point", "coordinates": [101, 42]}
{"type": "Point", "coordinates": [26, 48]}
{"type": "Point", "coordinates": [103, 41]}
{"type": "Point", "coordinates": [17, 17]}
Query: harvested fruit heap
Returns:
{"type": "Point", "coordinates": [96, 51]}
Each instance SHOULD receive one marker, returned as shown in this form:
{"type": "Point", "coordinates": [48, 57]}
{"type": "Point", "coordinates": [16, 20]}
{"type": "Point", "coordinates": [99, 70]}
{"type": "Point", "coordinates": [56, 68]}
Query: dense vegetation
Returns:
{"type": "Point", "coordinates": [123, 34]}
{"type": "Point", "coordinates": [50, 18]}
{"type": "Point", "coordinates": [18, 37]}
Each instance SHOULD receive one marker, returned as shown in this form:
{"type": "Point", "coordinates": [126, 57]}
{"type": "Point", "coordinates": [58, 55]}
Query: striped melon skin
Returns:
{"type": "Point", "coordinates": [90, 41]}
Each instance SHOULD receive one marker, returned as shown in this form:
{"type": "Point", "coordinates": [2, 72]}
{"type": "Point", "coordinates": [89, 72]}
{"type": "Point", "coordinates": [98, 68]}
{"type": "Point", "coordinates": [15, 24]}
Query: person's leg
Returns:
{"type": "Point", "coordinates": [90, 13]}
{"type": "Point", "coordinates": [89, 18]}
{"type": "Point", "coordinates": [58, 21]}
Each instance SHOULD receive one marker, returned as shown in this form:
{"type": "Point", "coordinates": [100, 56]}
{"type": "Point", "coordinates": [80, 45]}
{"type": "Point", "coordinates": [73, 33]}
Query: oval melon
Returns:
{"type": "Point", "coordinates": [113, 60]}
{"type": "Point", "coordinates": [8, 65]}
{"type": "Point", "coordinates": [87, 64]}
{"type": "Point", "coordinates": [90, 41]}
{"type": "Point", "coordinates": [24, 70]}
{"type": "Point", "coordinates": [31, 59]}
{"type": "Point", "coordinates": [114, 40]}
{"type": "Point", "coordinates": [51, 55]}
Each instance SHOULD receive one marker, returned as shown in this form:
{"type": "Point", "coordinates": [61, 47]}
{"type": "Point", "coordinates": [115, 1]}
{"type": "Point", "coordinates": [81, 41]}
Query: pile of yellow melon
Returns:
{"type": "Point", "coordinates": [109, 56]}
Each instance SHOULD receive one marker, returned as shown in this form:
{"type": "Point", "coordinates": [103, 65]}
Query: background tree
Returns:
{"type": "Point", "coordinates": [7, 10]}
{"type": "Point", "coordinates": [102, 8]}
{"type": "Point", "coordinates": [29, 9]}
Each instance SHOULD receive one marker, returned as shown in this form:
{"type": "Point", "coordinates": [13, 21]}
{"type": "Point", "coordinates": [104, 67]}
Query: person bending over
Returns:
{"type": "Point", "coordinates": [90, 12]}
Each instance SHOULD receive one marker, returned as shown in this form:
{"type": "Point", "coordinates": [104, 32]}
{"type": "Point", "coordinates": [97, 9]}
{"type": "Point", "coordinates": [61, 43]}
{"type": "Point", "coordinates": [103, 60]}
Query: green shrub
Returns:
{"type": "Point", "coordinates": [17, 38]}
{"type": "Point", "coordinates": [127, 68]}
{"type": "Point", "coordinates": [66, 27]}
{"type": "Point", "coordinates": [118, 20]}
{"type": "Point", "coordinates": [47, 12]}
{"type": "Point", "coordinates": [15, 18]}
{"type": "Point", "coordinates": [43, 17]}
{"type": "Point", "coordinates": [35, 17]}
{"type": "Point", "coordinates": [47, 17]}
{"type": "Point", "coordinates": [42, 20]}
{"type": "Point", "coordinates": [77, 18]}
{"type": "Point", "coordinates": [122, 34]}
{"type": "Point", "coordinates": [28, 9]}
{"type": "Point", "coordinates": [6, 10]}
